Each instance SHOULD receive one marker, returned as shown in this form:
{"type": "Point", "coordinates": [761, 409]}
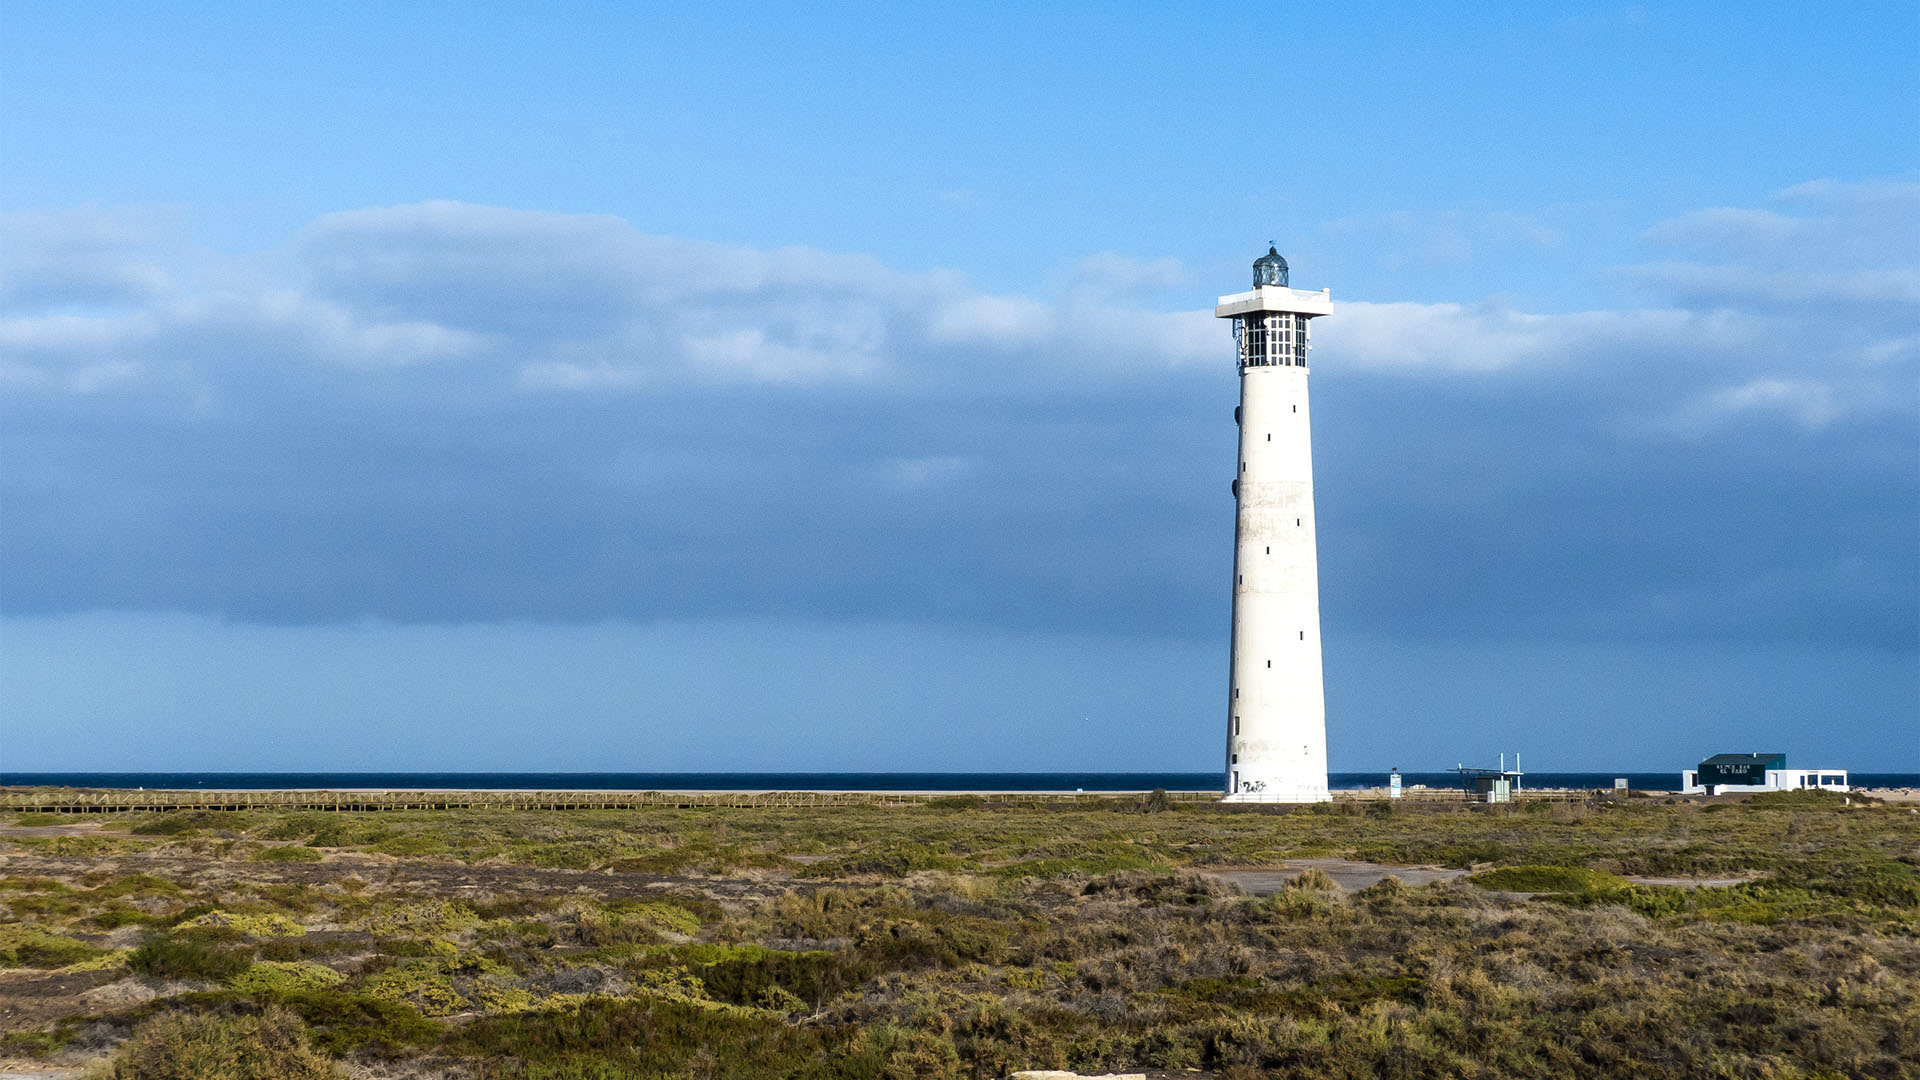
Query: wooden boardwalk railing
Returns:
{"type": "Point", "coordinates": [117, 801]}
{"type": "Point", "coordinates": [62, 801]}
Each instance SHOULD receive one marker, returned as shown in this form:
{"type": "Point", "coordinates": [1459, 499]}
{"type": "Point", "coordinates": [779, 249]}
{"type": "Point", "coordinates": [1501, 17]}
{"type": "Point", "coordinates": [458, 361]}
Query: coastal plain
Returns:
{"type": "Point", "coordinates": [1770, 936]}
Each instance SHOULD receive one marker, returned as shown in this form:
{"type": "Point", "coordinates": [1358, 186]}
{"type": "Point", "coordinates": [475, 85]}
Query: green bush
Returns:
{"type": "Point", "coordinates": [185, 822]}
{"type": "Point", "coordinates": [755, 976]}
{"type": "Point", "coordinates": [246, 923]}
{"type": "Point", "coordinates": [137, 885]}
{"type": "Point", "coordinates": [117, 915]}
{"type": "Point", "coordinates": [1881, 881]}
{"type": "Point", "coordinates": [1803, 799]}
{"type": "Point", "coordinates": [656, 1037]}
{"type": "Point", "coordinates": [1313, 878]}
{"type": "Point", "coordinates": [165, 956]}
{"type": "Point", "coordinates": [31, 947]}
{"type": "Point", "coordinates": [347, 1021]}
{"type": "Point", "coordinates": [1548, 879]}
{"type": "Point", "coordinates": [184, 1046]}
{"type": "Point", "coordinates": [285, 977]}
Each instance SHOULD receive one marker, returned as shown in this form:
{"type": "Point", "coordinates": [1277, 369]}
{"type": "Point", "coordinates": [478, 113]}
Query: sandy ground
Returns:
{"type": "Point", "coordinates": [41, 832]}
{"type": "Point", "coordinates": [1352, 875]}
{"type": "Point", "coordinates": [1346, 873]}
{"type": "Point", "coordinates": [390, 873]}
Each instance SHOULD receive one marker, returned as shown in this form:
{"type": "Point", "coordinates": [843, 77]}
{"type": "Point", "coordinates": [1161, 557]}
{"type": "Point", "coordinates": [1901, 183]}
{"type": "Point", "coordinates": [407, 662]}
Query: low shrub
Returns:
{"type": "Point", "coordinates": [186, 822]}
{"type": "Point", "coordinates": [1882, 881]}
{"type": "Point", "coordinates": [1174, 887]}
{"type": "Point", "coordinates": [1804, 799]}
{"type": "Point", "coordinates": [137, 885]}
{"type": "Point", "coordinates": [345, 1021]}
{"type": "Point", "coordinates": [426, 985]}
{"type": "Point", "coordinates": [286, 854]}
{"type": "Point", "coordinates": [32, 947]}
{"type": "Point", "coordinates": [275, 977]}
{"type": "Point", "coordinates": [168, 956]}
{"type": "Point", "coordinates": [899, 861]}
{"type": "Point", "coordinates": [259, 924]}
{"type": "Point", "coordinates": [186, 1046]}
{"type": "Point", "coordinates": [1315, 879]}
{"type": "Point", "coordinates": [652, 1037]}
{"type": "Point", "coordinates": [632, 923]}
{"type": "Point", "coordinates": [115, 916]}
{"type": "Point", "coordinates": [1548, 879]}
{"type": "Point", "coordinates": [749, 975]}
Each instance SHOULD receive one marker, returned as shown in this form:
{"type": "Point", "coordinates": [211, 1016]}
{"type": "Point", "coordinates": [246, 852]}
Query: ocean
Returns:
{"type": "Point", "coordinates": [811, 781]}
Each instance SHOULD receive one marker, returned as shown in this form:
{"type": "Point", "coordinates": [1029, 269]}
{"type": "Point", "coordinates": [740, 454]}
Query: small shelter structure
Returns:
{"type": "Point", "coordinates": [1489, 785]}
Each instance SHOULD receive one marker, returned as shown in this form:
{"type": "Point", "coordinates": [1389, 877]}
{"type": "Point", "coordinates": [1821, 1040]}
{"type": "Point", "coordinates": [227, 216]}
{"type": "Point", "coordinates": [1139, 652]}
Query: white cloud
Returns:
{"type": "Point", "coordinates": [1784, 288]}
{"type": "Point", "coordinates": [585, 303]}
{"type": "Point", "coordinates": [788, 357]}
{"type": "Point", "coordinates": [1808, 403]}
{"type": "Point", "coordinates": [1440, 239]}
{"type": "Point", "coordinates": [915, 473]}
{"type": "Point", "coordinates": [1111, 272]}
{"type": "Point", "coordinates": [1829, 243]}
{"type": "Point", "coordinates": [390, 414]}
{"type": "Point", "coordinates": [82, 257]}
{"type": "Point", "coordinates": [567, 375]}
{"type": "Point", "coordinates": [1492, 338]}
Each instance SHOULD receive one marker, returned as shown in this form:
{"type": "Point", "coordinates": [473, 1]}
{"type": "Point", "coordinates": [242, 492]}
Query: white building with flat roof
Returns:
{"type": "Point", "coordinates": [1723, 774]}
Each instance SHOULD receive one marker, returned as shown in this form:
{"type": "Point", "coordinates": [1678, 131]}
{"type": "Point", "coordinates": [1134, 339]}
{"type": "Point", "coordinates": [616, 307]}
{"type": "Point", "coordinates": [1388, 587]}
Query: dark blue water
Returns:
{"type": "Point", "coordinates": [820, 781]}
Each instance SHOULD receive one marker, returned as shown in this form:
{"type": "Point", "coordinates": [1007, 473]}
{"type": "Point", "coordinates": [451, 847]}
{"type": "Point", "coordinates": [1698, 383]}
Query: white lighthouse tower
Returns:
{"type": "Point", "coordinates": [1276, 708]}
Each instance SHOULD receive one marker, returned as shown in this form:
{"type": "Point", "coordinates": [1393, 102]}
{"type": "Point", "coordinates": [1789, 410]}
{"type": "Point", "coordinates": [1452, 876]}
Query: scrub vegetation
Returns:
{"type": "Point", "coordinates": [967, 939]}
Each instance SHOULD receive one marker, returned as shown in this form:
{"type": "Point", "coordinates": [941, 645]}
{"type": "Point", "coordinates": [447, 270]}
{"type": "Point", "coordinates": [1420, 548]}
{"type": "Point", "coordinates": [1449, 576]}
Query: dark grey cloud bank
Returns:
{"type": "Point", "coordinates": [452, 413]}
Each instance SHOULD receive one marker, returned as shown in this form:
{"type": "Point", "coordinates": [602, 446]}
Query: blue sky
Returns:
{"type": "Point", "coordinates": [471, 386]}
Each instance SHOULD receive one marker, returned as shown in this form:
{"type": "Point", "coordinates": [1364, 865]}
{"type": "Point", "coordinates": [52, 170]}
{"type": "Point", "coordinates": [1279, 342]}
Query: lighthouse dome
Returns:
{"type": "Point", "coordinates": [1270, 269]}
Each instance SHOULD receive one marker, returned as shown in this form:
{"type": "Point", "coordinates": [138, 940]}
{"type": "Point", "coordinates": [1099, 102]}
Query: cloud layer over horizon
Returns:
{"type": "Point", "coordinates": [450, 413]}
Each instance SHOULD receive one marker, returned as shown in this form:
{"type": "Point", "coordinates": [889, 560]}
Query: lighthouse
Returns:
{"type": "Point", "coordinates": [1276, 707]}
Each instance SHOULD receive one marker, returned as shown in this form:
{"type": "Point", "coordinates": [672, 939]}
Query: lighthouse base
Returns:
{"type": "Point", "coordinates": [1272, 794]}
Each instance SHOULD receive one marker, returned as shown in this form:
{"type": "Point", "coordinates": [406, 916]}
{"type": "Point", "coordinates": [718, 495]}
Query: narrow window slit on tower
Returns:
{"type": "Point", "coordinates": [1303, 635]}
{"type": "Point", "coordinates": [1269, 663]}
